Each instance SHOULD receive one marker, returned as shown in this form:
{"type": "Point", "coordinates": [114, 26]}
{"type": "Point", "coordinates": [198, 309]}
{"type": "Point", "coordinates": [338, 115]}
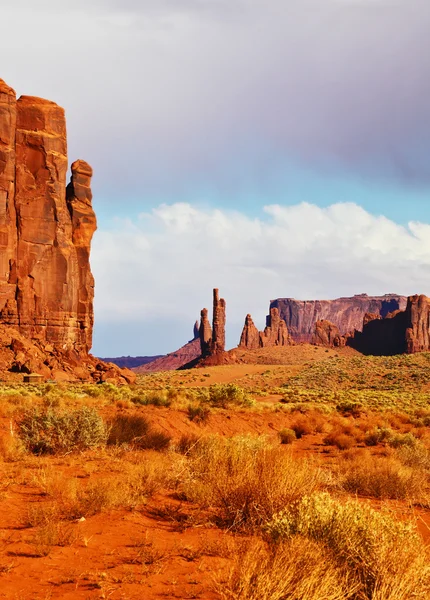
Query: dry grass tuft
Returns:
{"type": "Point", "coordinates": [245, 479]}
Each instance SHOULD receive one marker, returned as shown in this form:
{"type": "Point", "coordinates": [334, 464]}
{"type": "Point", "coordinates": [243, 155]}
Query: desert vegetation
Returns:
{"type": "Point", "coordinates": [307, 481]}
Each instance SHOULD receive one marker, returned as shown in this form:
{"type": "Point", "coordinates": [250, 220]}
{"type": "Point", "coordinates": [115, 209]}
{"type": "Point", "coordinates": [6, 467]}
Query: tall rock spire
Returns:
{"type": "Point", "coordinates": [46, 286]}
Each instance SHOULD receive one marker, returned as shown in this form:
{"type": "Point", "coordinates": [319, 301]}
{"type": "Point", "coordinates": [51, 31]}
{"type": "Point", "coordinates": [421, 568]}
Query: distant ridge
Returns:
{"type": "Point", "coordinates": [131, 361]}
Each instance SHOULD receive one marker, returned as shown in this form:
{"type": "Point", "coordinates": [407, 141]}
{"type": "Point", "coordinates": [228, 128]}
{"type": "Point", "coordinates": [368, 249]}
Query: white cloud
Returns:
{"type": "Point", "coordinates": [163, 267]}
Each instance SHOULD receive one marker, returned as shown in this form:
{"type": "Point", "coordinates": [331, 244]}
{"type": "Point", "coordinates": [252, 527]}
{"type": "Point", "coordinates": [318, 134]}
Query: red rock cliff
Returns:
{"type": "Point", "coordinates": [346, 313]}
{"type": "Point", "coordinates": [46, 286]}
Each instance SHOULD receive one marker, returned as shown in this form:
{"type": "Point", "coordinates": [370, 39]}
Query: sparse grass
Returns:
{"type": "Point", "coordinates": [298, 569]}
{"type": "Point", "coordinates": [287, 436]}
{"type": "Point", "coordinates": [379, 556]}
{"type": "Point", "coordinates": [53, 431]}
{"type": "Point", "coordinates": [136, 432]}
{"type": "Point", "coordinates": [384, 478]}
{"type": "Point", "coordinates": [245, 479]}
{"type": "Point", "coordinates": [198, 413]}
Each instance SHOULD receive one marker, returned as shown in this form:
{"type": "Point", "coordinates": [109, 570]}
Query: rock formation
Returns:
{"type": "Point", "coordinates": [46, 285]}
{"type": "Point", "coordinates": [218, 324]}
{"type": "Point", "coordinates": [274, 334]}
{"type": "Point", "coordinates": [205, 333]}
{"type": "Point", "coordinates": [212, 339]}
{"type": "Point", "coordinates": [346, 313]}
{"type": "Point", "coordinates": [401, 331]}
{"type": "Point", "coordinates": [327, 334]}
{"type": "Point", "coordinates": [418, 324]}
{"type": "Point", "coordinates": [250, 337]}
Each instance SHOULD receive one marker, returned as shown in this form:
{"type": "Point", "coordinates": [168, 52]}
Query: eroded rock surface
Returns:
{"type": "Point", "coordinates": [327, 334]}
{"type": "Point", "coordinates": [346, 313]}
{"type": "Point", "coordinates": [46, 285]}
{"type": "Point", "coordinates": [275, 333]}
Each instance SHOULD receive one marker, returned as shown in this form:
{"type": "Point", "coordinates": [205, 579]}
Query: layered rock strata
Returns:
{"type": "Point", "coordinates": [346, 313]}
{"type": "Point", "coordinates": [327, 334]}
{"type": "Point", "coordinates": [402, 331]}
{"type": "Point", "coordinates": [46, 285]}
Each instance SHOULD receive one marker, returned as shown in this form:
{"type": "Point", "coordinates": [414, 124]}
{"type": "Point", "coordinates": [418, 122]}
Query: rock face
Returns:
{"type": "Point", "coordinates": [274, 334]}
{"type": "Point", "coordinates": [205, 333]}
{"type": "Point", "coordinates": [402, 331]}
{"type": "Point", "coordinates": [46, 286]}
{"type": "Point", "coordinates": [418, 324]}
{"type": "Point", "coordinates": [250, 337]}
{"type": "Point", "coordinates": [212, 339]}
{"type": "Point", "coordinates": [327, 334]}
{"type": "Point", "coordinates": [218, 324]}
{"type": "Point", "coordinates": [346, 313]}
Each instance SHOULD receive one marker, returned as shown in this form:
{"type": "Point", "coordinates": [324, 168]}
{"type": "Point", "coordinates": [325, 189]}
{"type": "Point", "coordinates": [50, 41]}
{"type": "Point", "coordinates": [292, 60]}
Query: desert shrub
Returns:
{"type": "Point", "coordinates": [136, 431]}
{"type": "Point", "coordinates": [127, 429]}
{"type": "Point", "coordinates": [383, 477]}
{"type": "Point", "coordinates": [297, 569]}
{"type": "Point", "coordinates": [383, 557]}
{"type": "Point", "coordinates": [287, 436]}
{"type": "Point", "coordinates": [301, 426]}
{"type": "Point", "coordinates": [397, 440]}
{"type": "Point", "coordinates": [377, 436]}
{"type": "Point", "coordinates": [224, 395]}
{"type": "Point", "coordinates": [198, 413]}
{"type": "Point", "coordinates": [153, 398]}
{"type": "Point", "coordinates": [245, 479]}
{"type": "Point", "coordinates": [416, 456]}
{"type": "Point", "coordinates": [50, 431]}
{"type": "Point", "coordinates": [186, 442]}
{"type": "Point", "coordinates": [155, 440]}
{"type": "Point", "coordinates": [350, 407]}
{"type": "Point", "coordinates": [340, 440]}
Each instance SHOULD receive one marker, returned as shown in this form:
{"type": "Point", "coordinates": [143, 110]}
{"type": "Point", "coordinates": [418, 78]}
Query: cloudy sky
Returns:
{"type": "Point", "coordinates": [270, 148]}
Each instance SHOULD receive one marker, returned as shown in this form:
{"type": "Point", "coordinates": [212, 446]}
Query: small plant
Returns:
{"type": "Point", "coordinates": [377, 436]}
{"type": "Point", "coordinates": [340, 440]}
{"type": "Point", "coordinates": [198, 413]}
{"type": "Point", "coordinates": [287, 436]}
{"type": "Point", "coordinates": [51, 431]}
{"type": "Point", "coordinates": [186, 443]}
{"type": "Point", "coordinates": [224, 395]}
{"type": "Point", "coordinates": [127, 429]}
{"type": "Point", "coordinates": [136, 431]}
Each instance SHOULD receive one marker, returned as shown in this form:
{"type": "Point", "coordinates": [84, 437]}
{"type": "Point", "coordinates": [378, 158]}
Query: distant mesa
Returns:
{"type": "Point", "coordinates": [130, 362]}
{"type": "Point", "coordinates": [400, 332]}
{"type": "Point", "coordinates": [347, 314]}
{"type": "Point", "coordinates": [46, 228]}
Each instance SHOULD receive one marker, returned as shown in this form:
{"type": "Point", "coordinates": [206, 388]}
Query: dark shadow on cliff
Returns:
{"type": "Point", "coordinates": [382, 337]}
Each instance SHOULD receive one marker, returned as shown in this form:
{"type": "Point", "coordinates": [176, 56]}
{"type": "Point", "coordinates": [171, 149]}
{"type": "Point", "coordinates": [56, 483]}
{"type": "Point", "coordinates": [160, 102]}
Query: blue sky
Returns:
{"type": "Point", "coordinates": [266, 147]}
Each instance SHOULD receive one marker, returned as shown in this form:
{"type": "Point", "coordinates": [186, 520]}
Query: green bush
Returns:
{"type": "Point", "coordinates": [224, 395]}
{"type": "Point", "coordinates": [50, 430]}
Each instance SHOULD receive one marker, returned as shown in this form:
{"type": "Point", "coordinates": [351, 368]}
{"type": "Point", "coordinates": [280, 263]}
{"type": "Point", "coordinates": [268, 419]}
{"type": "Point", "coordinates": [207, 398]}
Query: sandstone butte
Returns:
{"type": "Point", "coordinates": [46, 228]}
{"type": "Point", "coordinates": [402, 331]}
{"type": "Point", "coordinates": [347, 314]}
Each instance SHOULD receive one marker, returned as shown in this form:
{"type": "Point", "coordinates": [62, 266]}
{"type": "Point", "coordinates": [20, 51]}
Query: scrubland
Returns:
{"type": "Point", "coordinates": [307, 479]}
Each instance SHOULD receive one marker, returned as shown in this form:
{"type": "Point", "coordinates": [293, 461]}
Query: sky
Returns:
{"type": "Point", "coordinates": [271, 148]}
